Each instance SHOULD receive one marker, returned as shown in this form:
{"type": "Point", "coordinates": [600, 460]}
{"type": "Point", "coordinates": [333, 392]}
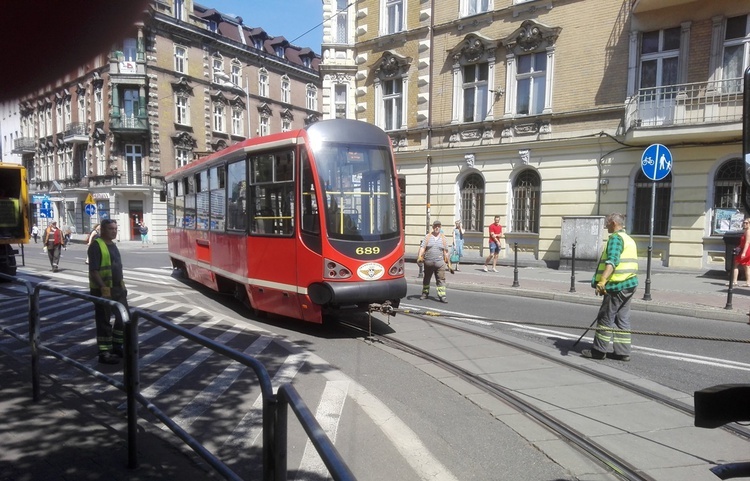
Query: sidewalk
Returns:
{"type": "Point", "coordinates": [691, 293]}
{"type": "Point", "coordinates": [67, 437]}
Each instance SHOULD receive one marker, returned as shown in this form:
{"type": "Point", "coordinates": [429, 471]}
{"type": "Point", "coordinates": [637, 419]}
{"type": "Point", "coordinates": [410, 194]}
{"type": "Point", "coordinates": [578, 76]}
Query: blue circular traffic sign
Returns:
{"type": "Point", "coordinates": [90, 209]}
{"type": "Point", "coordinates": [656, 162]}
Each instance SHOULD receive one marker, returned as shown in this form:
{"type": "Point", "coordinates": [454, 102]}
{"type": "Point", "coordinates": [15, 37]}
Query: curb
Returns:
{"type": "Point", "coordinates": [699, 312]}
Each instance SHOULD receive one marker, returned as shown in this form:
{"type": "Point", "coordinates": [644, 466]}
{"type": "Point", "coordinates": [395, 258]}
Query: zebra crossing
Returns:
{"type": "Point", "coordinates": [216, 400]}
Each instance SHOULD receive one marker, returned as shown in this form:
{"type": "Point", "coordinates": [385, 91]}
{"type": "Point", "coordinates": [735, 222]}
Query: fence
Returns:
{"type": "Point", "coordinates": [275, 407]}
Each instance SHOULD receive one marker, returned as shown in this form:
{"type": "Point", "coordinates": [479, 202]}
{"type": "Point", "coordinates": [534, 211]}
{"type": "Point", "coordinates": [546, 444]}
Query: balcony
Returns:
{"type": "Point", "coordinates": [24, 145]}
{"type": "Point", "coordinates": [125, 124]}
{"type": "Point", "coordinates": [76, 133]}
{"type": "Point", "coordinates": [643, 6]}
{"type": "Point", "coordinates": [696, 111]}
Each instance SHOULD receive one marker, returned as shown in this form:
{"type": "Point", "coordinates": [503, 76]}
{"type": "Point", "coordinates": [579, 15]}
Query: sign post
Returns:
{"type": "Point", "coordinates": [656, 164]}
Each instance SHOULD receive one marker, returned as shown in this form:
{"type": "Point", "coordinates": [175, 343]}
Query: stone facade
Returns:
{"type": "Point", "coordinates": [567, 112]}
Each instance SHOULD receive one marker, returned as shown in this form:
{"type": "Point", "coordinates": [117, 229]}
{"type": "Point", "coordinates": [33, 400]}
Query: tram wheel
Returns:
{"type": "Point", "coordinates": [241, 295]}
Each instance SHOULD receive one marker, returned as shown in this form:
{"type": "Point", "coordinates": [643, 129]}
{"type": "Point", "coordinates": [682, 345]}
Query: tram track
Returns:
{"type": "Point", "coordinates": [611, 461]}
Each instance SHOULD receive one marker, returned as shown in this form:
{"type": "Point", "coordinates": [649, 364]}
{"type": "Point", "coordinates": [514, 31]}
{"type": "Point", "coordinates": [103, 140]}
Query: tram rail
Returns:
{"type": "Point", "coordinates": [618, 465]}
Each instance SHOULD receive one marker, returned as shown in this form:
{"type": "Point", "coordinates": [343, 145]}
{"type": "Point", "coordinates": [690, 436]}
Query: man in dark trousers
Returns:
{"type": "Point", "coordinates": [53, 242]}
{"type": "Point", "coordinates": [106, 280]}
{"type": "Point", "coordinates": [616, 279]}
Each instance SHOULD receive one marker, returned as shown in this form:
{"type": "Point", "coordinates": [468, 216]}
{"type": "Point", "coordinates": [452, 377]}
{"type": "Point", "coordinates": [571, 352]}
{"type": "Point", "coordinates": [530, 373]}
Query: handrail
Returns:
{"type": "Point", "coordinates": [269, 400]}
{"type": "Point", "coordinates": [274, 418]}
{"type": "Point", "coordinates": [288, 396]}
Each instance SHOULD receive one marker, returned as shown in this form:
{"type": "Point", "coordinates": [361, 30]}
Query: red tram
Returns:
{"type": "Point", "coordinates": [297, 223]}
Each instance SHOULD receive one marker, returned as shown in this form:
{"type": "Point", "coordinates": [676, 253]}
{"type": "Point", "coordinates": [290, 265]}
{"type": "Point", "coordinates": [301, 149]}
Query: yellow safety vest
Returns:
{"type": "Point", "coordinates": [628, 266]}
{"type": "Point", "coordinates": [105, 268]}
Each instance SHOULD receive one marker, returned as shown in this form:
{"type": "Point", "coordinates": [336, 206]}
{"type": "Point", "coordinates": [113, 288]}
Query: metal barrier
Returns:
{"type": "Point", "coordinates": [274, 406]}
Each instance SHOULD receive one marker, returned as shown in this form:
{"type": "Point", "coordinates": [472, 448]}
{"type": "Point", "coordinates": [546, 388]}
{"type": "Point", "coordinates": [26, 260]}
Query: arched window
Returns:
{"type": "Point", "coordinates": [472, 203]}
{"type": "Point", "coordinates": [727, 191]}
{"type": "Point", "coordinates": [642, 209]}
{"type": "Point", "coordinates": [526, 189]}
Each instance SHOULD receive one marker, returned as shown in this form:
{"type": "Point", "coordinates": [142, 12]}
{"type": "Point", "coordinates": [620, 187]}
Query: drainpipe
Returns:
{"type": "Point", "coordinates": [429, 112]}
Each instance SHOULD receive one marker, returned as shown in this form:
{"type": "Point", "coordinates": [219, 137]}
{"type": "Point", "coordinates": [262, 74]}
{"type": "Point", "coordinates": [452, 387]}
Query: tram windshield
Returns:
{"type": "Point", "coordinates": [358, 190]}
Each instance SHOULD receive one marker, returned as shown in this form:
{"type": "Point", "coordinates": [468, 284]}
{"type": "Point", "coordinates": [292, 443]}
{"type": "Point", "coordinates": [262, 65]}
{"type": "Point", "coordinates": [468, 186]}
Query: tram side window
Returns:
{"type": "Point", "coordinates": [310, 215]}
{"type": "Point", "coordinates": [171, 204]}
{"type": "Point", "coordinates": [272, 193]}
{"type": "Point", "coordinates": [217, 186]}
{"type": "Point", "coordinates": [237, 195]}
{"type": "Point", "coordinates": [201, 200]}
{"type": "Point", "coordinates": [189, 222]}
{"type": "Point", "coordinates": [179, 204]}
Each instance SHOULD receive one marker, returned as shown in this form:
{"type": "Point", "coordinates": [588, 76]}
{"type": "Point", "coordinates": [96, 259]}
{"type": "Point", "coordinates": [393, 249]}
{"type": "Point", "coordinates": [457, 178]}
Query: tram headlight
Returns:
{"type": "Point", "coordinates": [397, 269]}
{"type": "Point", "coordinates": [334, 270]}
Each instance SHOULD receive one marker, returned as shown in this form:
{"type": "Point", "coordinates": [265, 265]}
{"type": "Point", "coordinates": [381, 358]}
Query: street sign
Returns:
{"type": "Point", "coordinates": [89, 200]}
{"type": "Point", "coordinates": [656, 162]}
{"type": "Point", "coordinates": [90, 209]}
{"type": "Point", "coordinates": [45, 209]}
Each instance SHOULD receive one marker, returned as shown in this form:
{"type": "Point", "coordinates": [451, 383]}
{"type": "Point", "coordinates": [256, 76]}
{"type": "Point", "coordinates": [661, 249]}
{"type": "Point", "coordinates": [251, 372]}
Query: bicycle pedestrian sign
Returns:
{"type": "Point", "coordinates": [656, 162]}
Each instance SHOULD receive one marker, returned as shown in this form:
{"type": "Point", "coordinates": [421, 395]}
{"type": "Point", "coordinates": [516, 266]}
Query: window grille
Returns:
{"type": "Point", "coordinates": [472, 203]}
{"type": "Point", "coordinates": [642, 211]}
{"type": "Point", "coordinates": [526, 189]}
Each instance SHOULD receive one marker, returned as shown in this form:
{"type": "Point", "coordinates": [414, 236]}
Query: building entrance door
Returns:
{"type": "Point", "coordinates": [135, 217]}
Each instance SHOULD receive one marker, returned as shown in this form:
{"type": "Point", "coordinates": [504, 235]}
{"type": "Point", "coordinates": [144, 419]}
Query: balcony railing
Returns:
{"type": "Point", "coordinates": [129, 123]}
{"type": "Point", "coordinates": [76, 132]}
{"type": "Point", "coordinates": [24, 145]}
{"type": "Point", "coordinates": [712, 102]}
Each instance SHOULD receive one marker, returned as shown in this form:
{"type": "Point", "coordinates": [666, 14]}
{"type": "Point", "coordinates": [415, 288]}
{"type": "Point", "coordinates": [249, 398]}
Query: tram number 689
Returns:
{"type": "Point", "coordinates": [367, 250]}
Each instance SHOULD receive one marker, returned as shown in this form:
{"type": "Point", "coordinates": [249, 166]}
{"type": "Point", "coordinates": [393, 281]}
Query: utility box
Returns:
{"type": "Point", "coordinates": [588, 234]}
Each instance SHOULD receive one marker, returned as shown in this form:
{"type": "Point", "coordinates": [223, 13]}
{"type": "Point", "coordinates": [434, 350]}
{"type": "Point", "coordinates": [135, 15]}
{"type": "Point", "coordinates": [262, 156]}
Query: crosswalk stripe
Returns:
{"type": "Point", "coordinates": [200, 403]}
{"type": "Point", "coordinates": [328, 415]}
{"type": "Point", "coordinates": [248, 430]}
{"type": "Point", "coordinates": [188, 365]}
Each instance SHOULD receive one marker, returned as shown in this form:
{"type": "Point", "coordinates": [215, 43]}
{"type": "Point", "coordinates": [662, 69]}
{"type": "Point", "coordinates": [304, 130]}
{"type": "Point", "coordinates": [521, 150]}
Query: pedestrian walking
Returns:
{"type": "Point", "coordinates": [35, 233]}
{"type": "Point", "coordinates": [496, 244]}
{"type": "Point", "coordinates": [66, 237]}
{"type": "Point", "coordinates": [616, 279]}
{"type": "Point", "coordinates": [144, 234]}
{"type": "Point", "coordinates": [434, 254]}
{"type": "Point", "coordinates": [458, 244]}
{"type": "Point", "coordinates": [742, 255]}
{"type": "Point", "coordinates": [106, 280]}
{"type": "Point", "coordinates": [91, 238]}
{"type": "Point", "coordinates": [53, 242]}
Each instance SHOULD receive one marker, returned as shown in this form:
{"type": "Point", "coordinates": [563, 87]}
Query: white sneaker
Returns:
{"type": "Point", "coordinates": [494, 270]}
{"type": "Point", "coordinates": [485, 269]}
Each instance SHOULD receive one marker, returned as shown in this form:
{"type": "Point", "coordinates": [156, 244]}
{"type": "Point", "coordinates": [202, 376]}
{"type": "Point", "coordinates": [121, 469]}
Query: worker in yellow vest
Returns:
{"type": "Point", "coordinates": [106, 280]}
{"type": "Point", "coordinates": [616, 279]}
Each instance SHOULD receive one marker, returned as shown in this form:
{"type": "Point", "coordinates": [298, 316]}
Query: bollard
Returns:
{"type": "Point", "coordinates": [573, 270]}
{"type": "Point", "coordinates": [515, 265]}
{"type": "Point", "coordinates": [647, 292]}
{"type": "Point", "coordinates": [731, 285]}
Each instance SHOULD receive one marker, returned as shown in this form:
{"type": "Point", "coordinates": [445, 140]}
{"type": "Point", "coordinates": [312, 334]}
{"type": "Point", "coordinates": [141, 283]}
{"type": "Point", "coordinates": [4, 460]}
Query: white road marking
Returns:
{"type": "Point", "coordinates": [328, 415]}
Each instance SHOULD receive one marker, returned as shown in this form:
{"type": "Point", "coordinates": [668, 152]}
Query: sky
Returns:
{"type": "Point", "coordinates": [286, 18]}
